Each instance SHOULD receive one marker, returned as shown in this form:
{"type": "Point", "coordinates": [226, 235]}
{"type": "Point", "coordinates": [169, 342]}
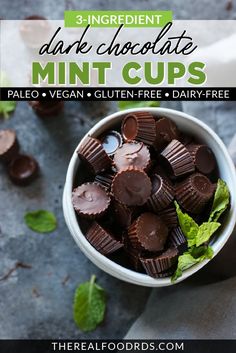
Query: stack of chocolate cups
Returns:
{"type": "Point", "coordinates": [139, 172]}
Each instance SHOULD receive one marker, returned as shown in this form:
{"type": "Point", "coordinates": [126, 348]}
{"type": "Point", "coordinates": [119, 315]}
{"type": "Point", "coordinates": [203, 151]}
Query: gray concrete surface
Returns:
{"type": "Point", "coordinates": [34, 303]}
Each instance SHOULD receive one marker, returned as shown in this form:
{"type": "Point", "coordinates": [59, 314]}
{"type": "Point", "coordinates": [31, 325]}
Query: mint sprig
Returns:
{"type": "Point", "coordinates": [41, 221]}
{"type": "Point", "coordinates": [137, 104]}
{"type": "Point", "coordinates": [198, 235]}
{"type": "Point", "coordinates": [89, 305]}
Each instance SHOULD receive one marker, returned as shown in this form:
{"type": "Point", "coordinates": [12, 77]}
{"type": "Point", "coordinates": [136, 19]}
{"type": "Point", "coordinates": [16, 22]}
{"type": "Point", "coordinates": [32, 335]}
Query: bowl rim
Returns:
{"type": "Point", "coordinates": [102, 261]}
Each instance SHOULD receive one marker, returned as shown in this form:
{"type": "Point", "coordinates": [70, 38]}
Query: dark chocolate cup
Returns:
{"type": "Point", "coordinates": [194, 192]}
{"type": "Point", "coordinates": [92, 152]}
{"type": "Point", "coordinates": [138, 158]}
{"type": "Point", "coordinates": [177, 240]}
{"type": "Point", "coordinates": [162, 197]}
{"type": "Point", "coordinates": [101, 240]}
{"type": "Point", "coordinates": [47, 108]}
{"type": "Point", "coordinates": [23, 169]}
{"type": "Point", "coordinates": [105, 179]}
{"type": "Point", "coordinates": [143, 129]}
{"type": "Point", "coordinates": [169, 216]}
{"type": "Point", "coordinates": [203, 158]}
{"type": "Point", "coordinates": [11, 151]}
{"type": "Point", "coordinates": [177, 159]}
{"type": "Point", "coordinates": [138, 239]}
{"type": "Point", "coordinates": [133, 255]}
{"type": "Point", "coordinates": [97, 212]}
{"type": "Point", "coordinates": [122, 214]}
{"type": "Point", "coordinates": [132, 236]}
{"type": "Point", "coordinates": [160, 264]}
{"type": "Point", "coordinates": [166, 131]}
{"type": "Point", "coordinates": [131, 187]}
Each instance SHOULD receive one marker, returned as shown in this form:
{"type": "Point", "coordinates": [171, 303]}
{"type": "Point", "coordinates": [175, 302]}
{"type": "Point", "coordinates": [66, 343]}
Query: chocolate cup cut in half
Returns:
{"type": "Point", "coordinates": [23, 169]}
{"type": "Point", "coordinates": [177, 159]}
{"type": "Point", "coordinates": [166, 131]}
{"type": "Point", "coordinates": [194, 192]}
{"type": "Point", "coordinates": [160, 264]}
{"type": "Point", "coordinates": [94, 155]}
{"type": "Point", "coordinates": [203, 158]}
{"type": "Point", "coordinates": [162, 193]}
{"type": "Point", "coordinates": [132, 154]}
{"type": "Point", "coordinates": [140, 126]}
{"type": "Point", "coordinates": [148, 232]}
{"type": "Point", "coordinates": [9, 146]}
{"type": "Point", "coordinates": [131, 187]}
{"type": "Point", "coordinates": [102, 240]}
{"type": "Point", "coordinates": [90, 200]}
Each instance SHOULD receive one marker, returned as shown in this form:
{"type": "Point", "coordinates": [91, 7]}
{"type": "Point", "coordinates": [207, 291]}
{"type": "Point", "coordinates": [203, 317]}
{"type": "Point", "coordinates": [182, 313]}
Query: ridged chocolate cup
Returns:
{"type": "Point", "coordinates": [148, 232]}
{"type": "Point", "coordinates": [132, 154]}
{"type": "Point", "coordinates": [102, 240]}
{"type": "Point", "coordinates": [166, 131]}
{"type": "Point", "coordinates": [203, 158]}
{"type": "Point", "coordinates": [23, 169]}
{"type": "Point", "coordinates": [194, 192]}
{"type": "Point", "coordinates": [169, 216]}
{"type": "Point", "coordinates": [9, 145]}
{"type": "Point", "coordinates": [167, 273]}
{"type": "Point", "coordinates": [121, 213]}
{"type": "Point", "coordinates": [132, 187]}
{"type": "Point", "coordinates": [105, 179]}
{"type": "Point", "coordinates": [133, 255]}
{"type": "Point", "coordinates": [47, 108]}
{"type": "Point", "coordinates": [177, 159]}
{"type": "Point", "coordinates": [177, 239]}
{"type": "Point", "coordinates": [92, 152]}
{"type": "Point", "coordinates": [90, 200]}
{"type": "Point", "coordinates": [158, 265]}
{"type": "Point", "coordinates": [139, 126]}
{"type": "Point", "coordinates": [162, 193]}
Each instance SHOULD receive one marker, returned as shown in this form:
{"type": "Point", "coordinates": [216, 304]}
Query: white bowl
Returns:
{"type": "Point", "coordinates": [187, 124]}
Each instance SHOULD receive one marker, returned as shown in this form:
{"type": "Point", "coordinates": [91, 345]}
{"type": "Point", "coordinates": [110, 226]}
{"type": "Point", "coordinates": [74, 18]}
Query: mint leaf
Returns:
{"type": "Point", "coordinates": [204, 251]}
{"type": "Point", "coordinates": [205, 231]}
{"type": "Point", "coordinates": [188, 225]}
{"type": "Point", "coordinates": [41, 221]}
{"type": "Point", "coordinates": [89, 305]}
{"type": "Point", "coordinates": [221, 200]}
{"type": "Point", "coordinates": [137, 104]}
{"type": "Point", "coordinates": [6, 107]}
{"type": "Point", "coordinates": [190, 258]}
{"type": "Point", "coordinates": [185, 261]}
